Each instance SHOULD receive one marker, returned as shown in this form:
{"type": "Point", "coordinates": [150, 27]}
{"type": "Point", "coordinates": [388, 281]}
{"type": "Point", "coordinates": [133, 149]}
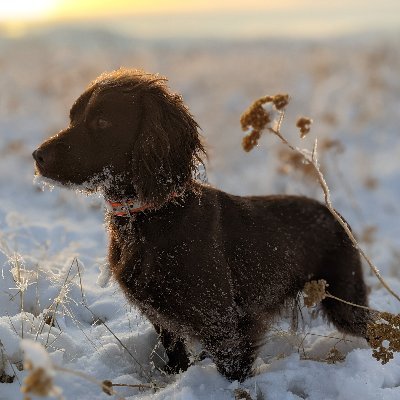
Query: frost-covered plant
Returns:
{"type": "Point", "coordinates": [384, 336]}
{"type": "Point", "coordinates": [41, 372]}
{"type": "Point", "coordinates": [334, 356]}
{"type": "Point", "coordinates": [266, 114]}
{"type": "Point", "coordinates": [383, 332]}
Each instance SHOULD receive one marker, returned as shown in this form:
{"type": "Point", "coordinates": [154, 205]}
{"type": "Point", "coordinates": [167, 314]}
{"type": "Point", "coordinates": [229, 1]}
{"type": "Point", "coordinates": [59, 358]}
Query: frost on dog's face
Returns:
{"type": "Point", "coordinates": [99, 139]}
{"type": "Point", "coordinates": [128, 134]}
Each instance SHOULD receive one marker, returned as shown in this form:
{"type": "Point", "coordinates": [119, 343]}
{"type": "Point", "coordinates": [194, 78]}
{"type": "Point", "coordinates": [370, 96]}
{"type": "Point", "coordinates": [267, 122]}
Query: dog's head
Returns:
{"type": "Point", "coordinates": [126, 130]}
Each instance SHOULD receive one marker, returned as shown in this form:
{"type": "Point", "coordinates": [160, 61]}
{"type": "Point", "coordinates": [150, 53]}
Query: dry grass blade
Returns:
{"type": "Point", "coordinates": [315, 292]}
{"type": "Point", "coordinates": [104, 386]}
{"type": "Point", "coordinates": [58, 300]}
{"type": "Point", "coordinates": [119, 341]}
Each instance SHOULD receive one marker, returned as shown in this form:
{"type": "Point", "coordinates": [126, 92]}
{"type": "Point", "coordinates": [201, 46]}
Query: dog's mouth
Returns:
{"type": "Point", "coordinates": [47, 166]}
{"type": "Point", "coordinates": [51, 172]}
{"type": "Point", "coordinates": [42, 172]}
{"type": "Point", "coordinates": [39, 170]}
{"type": "Point", "coordinates": [39, 163]}
{"type": "Point", "coordinates": [45, 179]}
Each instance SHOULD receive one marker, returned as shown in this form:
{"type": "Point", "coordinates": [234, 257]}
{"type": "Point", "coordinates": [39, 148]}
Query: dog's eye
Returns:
{"type": "Point", "coordinates": [103, 123]}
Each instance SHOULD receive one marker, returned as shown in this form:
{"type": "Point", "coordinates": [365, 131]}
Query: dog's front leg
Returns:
{"type": "Point", "coordinates": [233, 346]}
{"type": "Point", "coordinates": [178, 360]}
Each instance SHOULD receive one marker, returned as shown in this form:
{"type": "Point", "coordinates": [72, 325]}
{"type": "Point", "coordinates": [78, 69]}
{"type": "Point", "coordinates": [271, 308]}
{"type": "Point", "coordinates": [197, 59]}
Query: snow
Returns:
{"type": "Point", "coordinates": [37, 355]}
{"type": "Point", "coordinates": [53, 243]}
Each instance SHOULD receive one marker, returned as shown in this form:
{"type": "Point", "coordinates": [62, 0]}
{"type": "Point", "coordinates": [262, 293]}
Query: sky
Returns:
{"type": "Point", "coordinates": [208, 18]}
{"type": "Point", "coordinates": [29, 10]}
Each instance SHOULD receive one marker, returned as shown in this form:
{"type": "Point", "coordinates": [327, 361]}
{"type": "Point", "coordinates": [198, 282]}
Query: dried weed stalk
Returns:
{"type": "Point", "coordinates": [384, 332]}
{"type": "Point", "coordinates": [40, 378]}
{"type": "Point", "coordinates": [315, 292]}
{"type": "Point", "coordinates": [334, 356]}
{"type": "Point", "coordinates": [291, 161]}
{"type": "Point", "coordinates": [258, 118]}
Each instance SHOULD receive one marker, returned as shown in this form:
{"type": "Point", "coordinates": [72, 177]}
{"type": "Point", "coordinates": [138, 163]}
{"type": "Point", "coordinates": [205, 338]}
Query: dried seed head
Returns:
{"type": "Point", "coordinates": [107, 387]}
{"type": "Point", "coordinates": [314, 292]}
{"type": "Point", "coordinates": [257, 118]}
{"type": "Point", "coordinates": [384, 336]}
{"type": "Point", "coordinates": [280, 101]}
{"type": "Point", "coordinates": [251, 140]}
{"type": "Point", "coordinates": [242, 394]}
{"type": "Point", "coordinates": [334, 356]}
{"type": "Point", "coordinates": [37, 382]}
{"type": "Point", "coordinates": [304, 124]}
{"type": "Point", "coordinates": [41, 372]}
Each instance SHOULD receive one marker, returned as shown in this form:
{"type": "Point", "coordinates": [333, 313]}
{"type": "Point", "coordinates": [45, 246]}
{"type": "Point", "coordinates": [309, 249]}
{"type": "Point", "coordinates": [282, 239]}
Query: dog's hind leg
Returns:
{"type": "Point", "coordinates": [178, 360]}
{"type": "Point", "coordinates": [343, 273]}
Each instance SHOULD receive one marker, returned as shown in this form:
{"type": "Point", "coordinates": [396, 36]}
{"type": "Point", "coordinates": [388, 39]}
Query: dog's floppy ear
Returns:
{"type": "Point", "coordinates": [167, 148]}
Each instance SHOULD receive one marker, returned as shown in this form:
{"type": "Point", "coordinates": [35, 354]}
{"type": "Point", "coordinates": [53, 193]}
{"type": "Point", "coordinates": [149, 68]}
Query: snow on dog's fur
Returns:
{"type": "Point", "coordinates": [198, 262]}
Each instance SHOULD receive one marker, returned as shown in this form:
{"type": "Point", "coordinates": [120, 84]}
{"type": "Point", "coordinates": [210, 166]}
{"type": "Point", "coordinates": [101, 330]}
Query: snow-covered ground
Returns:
{"type": "Point", "coordinates": [53, 243]}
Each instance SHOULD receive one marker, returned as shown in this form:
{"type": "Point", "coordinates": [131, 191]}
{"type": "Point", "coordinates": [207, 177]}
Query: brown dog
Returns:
{"type": "Point", "coordinates": [196, 261]}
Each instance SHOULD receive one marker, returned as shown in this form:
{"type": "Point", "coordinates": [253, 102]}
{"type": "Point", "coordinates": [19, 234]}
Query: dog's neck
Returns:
{"type": "Point", "coordinates": [122, 200]}
{"type": "Point", "coordinates": [128, 205]}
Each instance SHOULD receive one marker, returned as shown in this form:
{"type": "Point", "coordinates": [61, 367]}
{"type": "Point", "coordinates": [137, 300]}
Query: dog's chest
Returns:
{"type": "Point", "coordinates": [168, 283]}
{"type": "Point", "coordinates": [148, 275]}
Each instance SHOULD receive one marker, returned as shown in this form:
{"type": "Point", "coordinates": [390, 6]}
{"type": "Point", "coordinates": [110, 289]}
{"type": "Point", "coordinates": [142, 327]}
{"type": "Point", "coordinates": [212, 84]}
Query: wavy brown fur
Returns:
{"type": "Point", "coordinates": [207, 264]}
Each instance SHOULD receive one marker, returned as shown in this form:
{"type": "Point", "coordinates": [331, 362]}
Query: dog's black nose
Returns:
{"type": "Point", "coordinates": [38, 156]}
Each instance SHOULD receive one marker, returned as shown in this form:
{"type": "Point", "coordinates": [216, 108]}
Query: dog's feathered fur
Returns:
{"type": "Point", "coordinates": [198, 262]}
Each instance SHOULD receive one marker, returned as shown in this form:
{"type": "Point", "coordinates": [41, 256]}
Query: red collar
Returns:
{"type": "Point", "coordinates": [125, 208]}
{"type": "Point", "coordinates": [129, 207]}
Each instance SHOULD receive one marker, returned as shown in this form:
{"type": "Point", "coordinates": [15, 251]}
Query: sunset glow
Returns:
{"type": "Point", "coordinates": [19, 10]}
{"type": "Point", "coordinates": [203, 18]}
{"type": "Point", "coordinates": [29, 10]}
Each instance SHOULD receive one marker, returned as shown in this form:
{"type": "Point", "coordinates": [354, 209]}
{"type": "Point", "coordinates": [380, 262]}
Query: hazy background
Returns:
{"type": "Point", "coordinates": [340, 63]}
{"type": "Point", "coordinates": [206, 19]}
{"type": "Point", "coordinates": [338, 60]}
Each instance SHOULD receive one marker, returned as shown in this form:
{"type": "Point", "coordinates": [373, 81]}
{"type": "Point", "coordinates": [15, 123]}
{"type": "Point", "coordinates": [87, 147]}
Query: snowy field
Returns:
{"type": "Point", "coordinates": [53, 243]}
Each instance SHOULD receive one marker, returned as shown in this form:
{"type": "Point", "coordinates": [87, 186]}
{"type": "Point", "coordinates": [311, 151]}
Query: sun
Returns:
{"type": "Point", "coordinates": [25, 10]}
